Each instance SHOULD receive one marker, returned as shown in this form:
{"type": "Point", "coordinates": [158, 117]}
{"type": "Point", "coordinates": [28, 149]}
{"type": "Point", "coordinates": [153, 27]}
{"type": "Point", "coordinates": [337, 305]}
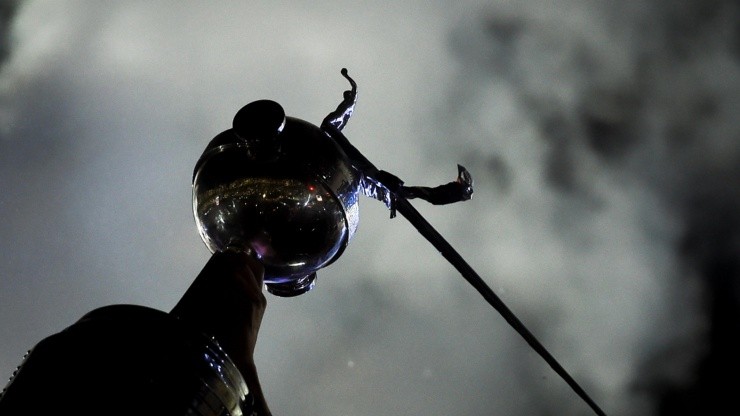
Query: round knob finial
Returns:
{"type": "Point", "coordinates": [259, 121]}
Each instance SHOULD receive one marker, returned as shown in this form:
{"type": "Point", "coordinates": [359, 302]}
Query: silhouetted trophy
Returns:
{"type": "Point", "coordinates": [278, 187]}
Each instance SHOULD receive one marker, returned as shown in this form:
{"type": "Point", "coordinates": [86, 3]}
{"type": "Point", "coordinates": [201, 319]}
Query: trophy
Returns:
{"type": "Point", "coordinates": [287, 192]}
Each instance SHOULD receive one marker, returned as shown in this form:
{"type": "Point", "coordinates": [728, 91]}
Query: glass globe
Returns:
{"type": "Point", "coordinates": [281, 188]}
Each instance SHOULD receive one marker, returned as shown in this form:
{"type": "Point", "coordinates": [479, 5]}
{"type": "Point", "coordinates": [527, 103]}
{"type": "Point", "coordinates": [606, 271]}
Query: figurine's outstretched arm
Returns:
{"type": "Point", "coordinates": [460, 189]}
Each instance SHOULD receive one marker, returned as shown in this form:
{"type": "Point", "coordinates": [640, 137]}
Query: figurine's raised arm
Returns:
{"type": "Point", "coordinates": [339, 117]}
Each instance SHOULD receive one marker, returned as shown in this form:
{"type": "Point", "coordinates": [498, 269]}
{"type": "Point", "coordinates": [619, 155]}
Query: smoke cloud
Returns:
{"type": "Point", "coordinates": [624, 115]}
{"type": "Point", "coordinates": [602, 139]}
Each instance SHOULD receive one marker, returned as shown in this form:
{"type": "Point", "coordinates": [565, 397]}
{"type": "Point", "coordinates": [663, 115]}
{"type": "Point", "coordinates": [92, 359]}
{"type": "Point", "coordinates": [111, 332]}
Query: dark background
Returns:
{"type": "Point", "coordinates": [603, 137]}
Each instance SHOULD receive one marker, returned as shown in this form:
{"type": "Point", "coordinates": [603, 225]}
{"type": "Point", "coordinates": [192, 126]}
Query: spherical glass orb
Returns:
{"type": "Point", "coordinates": [282, 190]}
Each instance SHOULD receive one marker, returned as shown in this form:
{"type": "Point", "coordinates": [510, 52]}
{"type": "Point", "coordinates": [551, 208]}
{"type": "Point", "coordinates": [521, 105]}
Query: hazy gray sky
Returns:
{"type": "Point", "coordinates": [586, 125]}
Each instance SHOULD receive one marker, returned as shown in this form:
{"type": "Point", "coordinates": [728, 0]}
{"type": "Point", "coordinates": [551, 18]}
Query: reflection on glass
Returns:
{"type": "Point", "coordinates": [294, 227]}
